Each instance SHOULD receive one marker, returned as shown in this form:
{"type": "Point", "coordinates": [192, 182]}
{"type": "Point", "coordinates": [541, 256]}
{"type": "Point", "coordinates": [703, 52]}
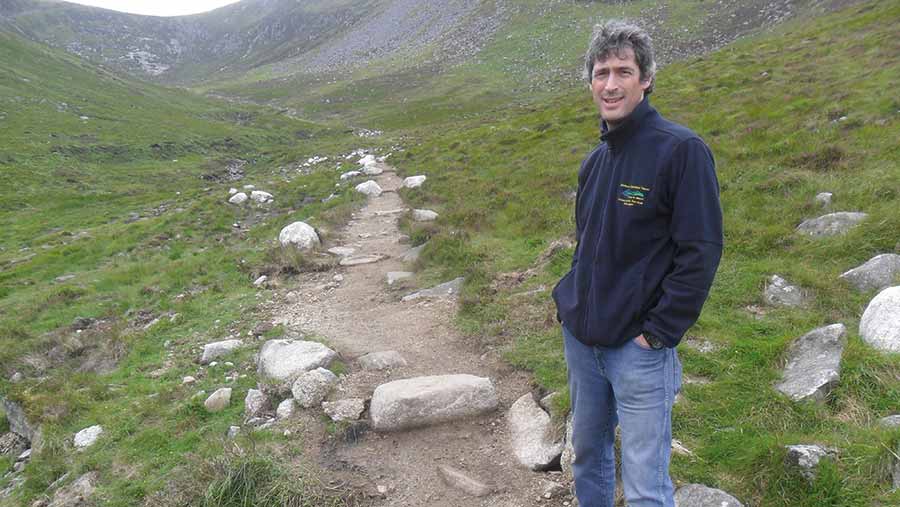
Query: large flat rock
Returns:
{"type": "Point", "coordinates": [877, 273]}
{"type": "Point", "coordinates": [283, 360]}
{"type": "Point", "coordinates": [831, 224]}
{"type": "Point", "coordinates": [445, 289]}
{"type": "Point", "coordinates": [880, 323]}
{"type": "Point", "coordinates": [698, 495]}
{"type": "Point", "coordinates": [814, 363]}
{"type": "Point", "coordinates": [424, 401]}
{"type": "Point", "coordinates": [216, 349]}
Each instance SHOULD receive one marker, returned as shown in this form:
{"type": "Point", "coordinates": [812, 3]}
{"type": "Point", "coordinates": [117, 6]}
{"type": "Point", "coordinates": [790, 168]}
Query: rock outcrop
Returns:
{"type": "Point", "coordinates": [831, 224]}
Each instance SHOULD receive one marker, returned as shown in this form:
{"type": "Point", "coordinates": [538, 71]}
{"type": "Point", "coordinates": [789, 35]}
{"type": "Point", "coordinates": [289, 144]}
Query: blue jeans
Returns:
{"type": "Point", "coordinates": [634, 388]}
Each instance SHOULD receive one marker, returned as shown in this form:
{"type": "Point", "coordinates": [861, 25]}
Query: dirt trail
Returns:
{"type": "Point", "coordinates": [363, 315]}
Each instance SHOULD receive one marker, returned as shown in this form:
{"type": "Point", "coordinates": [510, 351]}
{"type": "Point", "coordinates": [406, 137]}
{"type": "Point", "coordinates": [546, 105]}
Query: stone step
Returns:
{"type": "Point", "coordinates": [424, 401]}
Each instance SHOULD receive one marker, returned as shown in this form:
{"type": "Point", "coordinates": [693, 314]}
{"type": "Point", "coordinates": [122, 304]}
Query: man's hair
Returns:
{"type": "Point", "coordinates": [615, 36]}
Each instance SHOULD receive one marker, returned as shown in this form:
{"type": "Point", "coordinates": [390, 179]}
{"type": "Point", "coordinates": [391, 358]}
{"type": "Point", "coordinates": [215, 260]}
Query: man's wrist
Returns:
{"type": "Point", "coordinates": [654, 341]}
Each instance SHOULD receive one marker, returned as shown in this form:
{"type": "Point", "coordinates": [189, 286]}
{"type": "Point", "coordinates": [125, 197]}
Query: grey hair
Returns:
{"type": "Point", "coordinates": [615, 36]}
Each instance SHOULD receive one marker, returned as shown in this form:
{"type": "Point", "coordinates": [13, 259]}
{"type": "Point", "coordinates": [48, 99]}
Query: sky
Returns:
{"type": "Point", "coordinates": [157, 7]}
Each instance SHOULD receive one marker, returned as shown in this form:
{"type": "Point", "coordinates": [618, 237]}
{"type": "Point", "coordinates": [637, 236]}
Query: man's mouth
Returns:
{"type": "Point", "coordinates": [612, 100]}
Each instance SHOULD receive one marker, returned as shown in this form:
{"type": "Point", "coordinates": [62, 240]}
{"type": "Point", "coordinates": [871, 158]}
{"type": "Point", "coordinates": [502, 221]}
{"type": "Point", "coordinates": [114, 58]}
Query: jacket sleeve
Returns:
{"type": "Point", "coordinates": [696, 229]}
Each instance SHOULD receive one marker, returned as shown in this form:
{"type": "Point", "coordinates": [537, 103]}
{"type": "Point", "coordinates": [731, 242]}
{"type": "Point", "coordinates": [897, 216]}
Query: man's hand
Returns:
{"type": "Point", "coordinates": [642, 342]}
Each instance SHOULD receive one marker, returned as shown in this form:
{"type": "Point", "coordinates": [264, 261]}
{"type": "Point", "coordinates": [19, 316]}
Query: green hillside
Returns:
{"type": "Point", "coordinates": [805, 109]}
{"type": "Point", "coordinates": [114, 210]}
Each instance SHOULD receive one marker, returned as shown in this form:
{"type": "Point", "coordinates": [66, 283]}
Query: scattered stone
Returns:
{"type": "Point", "coordinates": [424, 215]}
{"type": "Point", "coordinates": [367, 160]}
{"type": "Point", "coordinates": [260, 196]}
{"type": "Point", "coordinates": [63, 278]}
{"type": "Point", "coordinates": [219, 400]}
{"type": "Point", "coordinates": [372, 170]}
{"type": "Point", "coordinates": [895, 472]}
{"type": "Point", "coordinates": [350, 174]}
{"type": "Point", "coordinates": [233, 432]}
{"type": "Point", "coordinates": [831, 224]}
{"type": "Point", "coordinates": [82, 323]}
{"type": "Point", "coordinates": [423, 401]}
{"type": "Point", "coordinates": [217, 349]}
{"type": "Point", "coordinates": [805, 458]}
{"type": "Point", "coordinates": [814, 364]}
{"type": "Point", "coordinates": [357, 260]}
{"type": "Point", "coordinates": [285, 359]}
{"type": "Point", "coordinates": [88, 436]}
{"type": "Point", "coordinates": [16, 377]}
{"type": "Point", "coordinates": [344, 410]}
{"type": "Point", "coordinates": [880, 323]}
{"type": "Point", "coordinates": [312, 387]}
{"type": "Point", "coordinates": [12, 444]}
{"type": "Point", "coordinates": [779, 292]}
{"type": "Point", "coordinates": [232, 191]}
{"type": "Point", "coordinates": [393, 277]}
{"type": "Point", "coordinates": [382, 360]}
{"type": "Point", "coordinates": [698, 495]}
{"type": "Point", "coordinates": [255, 403]}
{"type": "Point", "coordinates": [188, 380]}
{"type": "Point", "coordinates": [458, 479]}
{"type": "Point", "coordinates": [299, 234]}
{"type": "Point", "coordinates": [341, 251]}
{"type": "Point", "coordinates": [369, 188]}
{"type": "Point", "coordinates": [414, 181]}
{"type": "Point", "coordinates": [412, 255]}
{"type": "Point", "coordinates": [249, 187]}
{"type": "Point", "coordinates": [78, 493]}
{"type": "Point", "coordinates": [238, 198]}
{"type": "Point", "coordinates": [877, 273]}
{"type": "Point", "coordinates": [445, 289]}
{"type": "Point", "coordinates": [891, 421]}
{"type": "Point", "coordinates": [260, 281]}
{"type": "Point", "coordinates": [338, 278]}
{"type": "Point", "coordinates": [531, 434]}
{"type": "Point", "coordinates": [552, 489]}
{"type": "Point", "coordinates": [823, 199]}
{"type": "Point", "coordinates": [680, 449]}
{"type": "Point", "coordinates": [285, 409]}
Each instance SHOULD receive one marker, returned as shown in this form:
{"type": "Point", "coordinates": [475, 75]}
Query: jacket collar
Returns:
{"type": "Point", "coordinates": [618, 136]}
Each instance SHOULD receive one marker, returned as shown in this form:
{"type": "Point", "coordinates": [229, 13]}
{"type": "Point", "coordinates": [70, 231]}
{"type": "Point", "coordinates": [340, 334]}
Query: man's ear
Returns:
{"type": "Point", "coordinates": [645, 83]}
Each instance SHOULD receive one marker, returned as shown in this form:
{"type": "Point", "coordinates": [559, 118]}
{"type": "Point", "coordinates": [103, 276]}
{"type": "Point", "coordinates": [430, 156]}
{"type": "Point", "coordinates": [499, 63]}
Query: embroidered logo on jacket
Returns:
{"type": "Point", "coordinates": [632, 195]}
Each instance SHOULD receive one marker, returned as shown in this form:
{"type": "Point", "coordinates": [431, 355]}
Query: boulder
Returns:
{"type": "Point", "coordinates": [260, 196]}
{"type": "Point", "coordinates": [219, 400]}
{"type": "Point", "coordinates": [823, 199]}
{"type": "Point", "coordinates": [424, 401]}
{"type": "Point", "coordinates": [805, 458]}
{"type": "Point", "coordinates": [312, 387]}
{"type": "Point", "coordinates": [880, 323]}
{"type": "Point", "coordinates": [285, 409]}
{"type": "Point", "coordinates": [350, 174]}
{"type": "Point", "coordinates": [414, 181]}
{"type": "Point", "coordinates": [424, 215]}
{"type": "Point", "coordinates": [78, 493]}
{"type": "Point", "coordinates": [458, 479]}
{"type": "Point", "coordinates": [357, 260]}
{"type": "Point", "coordinates": [259, 282]}
{"type": "Point", "coordinates": [531, 434]}
{"type": "Point", "coordinates": [255, 403]}
{"type": "Point", "coordinates": [382, 360]}
{"type": "Point", "coordinates": [344, 410]}
{"type": "Point", "coordinates": [450, 288]}
{"type": "Point", "coordinates": [393, 277]}
{"type": "Point", "coordinates": [891, 421]}
{"type": "Point", "coordinates": [238, 198]}
{"type": "Point", "coordinates": [217, 349]}
{"type": "Point", "coordinates": [779, 292]}
{"type": "Point", "coordinates": [814, 364]}
{"type": "Point", "coordinates": [341, 251]}
{"type": "Point", "coordinates": [369, 188]}
{"type": "Point", "coordinates": [412, 255]}
{"type": "Point", "coordinates": [88, 436]}
{"type": "Point", "coordinates": [877, 273]}
{"type": "Point", "coordinates": [283, 360]}
{"type": "Point", "coordinates": [300, 235]}
{"type": "Point", "coordinates": [232, 191]}
{"type": "Point", "coordinates": [831, 224]}
{"type": "Point", "coordinates": [698, 495]}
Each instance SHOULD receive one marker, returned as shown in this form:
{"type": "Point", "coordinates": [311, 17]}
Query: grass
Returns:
{"type": "Point", "coordinates": [788, 115]}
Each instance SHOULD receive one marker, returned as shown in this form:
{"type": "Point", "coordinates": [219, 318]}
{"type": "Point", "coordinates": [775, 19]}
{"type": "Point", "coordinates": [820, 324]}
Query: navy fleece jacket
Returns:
{"type": "Point", "coordinates": [649, 230]}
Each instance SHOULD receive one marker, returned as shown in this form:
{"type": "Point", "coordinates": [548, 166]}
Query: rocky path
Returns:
{"type": "Point", "coordinates": [361, 314]}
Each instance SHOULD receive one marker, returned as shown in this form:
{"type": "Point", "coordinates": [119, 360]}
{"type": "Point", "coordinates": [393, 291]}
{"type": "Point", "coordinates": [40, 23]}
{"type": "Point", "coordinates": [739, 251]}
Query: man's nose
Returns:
{"type": "Point", "coordinates": [612, 82]}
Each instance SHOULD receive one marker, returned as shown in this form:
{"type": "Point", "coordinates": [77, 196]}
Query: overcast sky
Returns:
{"type": "Point", "coordinates": [157, 7]}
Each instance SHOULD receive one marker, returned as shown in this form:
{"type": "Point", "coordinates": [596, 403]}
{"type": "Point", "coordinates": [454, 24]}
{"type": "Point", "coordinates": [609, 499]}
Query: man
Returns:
{"type": "Point", "coordinates": [649, 230]}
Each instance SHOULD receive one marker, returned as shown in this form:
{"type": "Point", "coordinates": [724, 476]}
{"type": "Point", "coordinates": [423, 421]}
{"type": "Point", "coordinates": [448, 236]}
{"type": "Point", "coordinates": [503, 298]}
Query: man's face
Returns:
{"type": "Point", "coordinates": [616, 86]}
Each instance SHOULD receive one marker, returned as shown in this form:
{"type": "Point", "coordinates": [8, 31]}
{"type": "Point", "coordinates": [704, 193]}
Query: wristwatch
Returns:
{"type": "Point", "coordinates": [654, 341]}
